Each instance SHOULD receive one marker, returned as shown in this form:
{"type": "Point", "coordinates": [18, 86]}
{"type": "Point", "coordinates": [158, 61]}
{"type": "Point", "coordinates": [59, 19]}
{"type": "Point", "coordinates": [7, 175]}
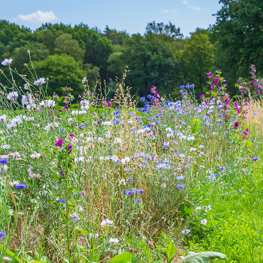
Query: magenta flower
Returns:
{"type": "Point", "coordinates": [59, 142]}
{"type": "Point", "coordinates": [109, 104]}
{"type": "Point", "coordinates": [236, 124]}
{"type": "Point", "coordinates": [212, 86]}
{"type": "Point", "coordinates": [246, 103]}
{"type": "Point", "coordinates": [217, 80]}
{"type": "Point", "coordinates": [210, 75]}
{"type": "Point", "coordinates": [202, 96]}
{"type": "Point", "coordinates": [244, 117]}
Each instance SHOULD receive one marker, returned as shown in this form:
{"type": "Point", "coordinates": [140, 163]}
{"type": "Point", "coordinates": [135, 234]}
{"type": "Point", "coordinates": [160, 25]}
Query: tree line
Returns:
{"type": "Point", "coordinates": [162, 57]}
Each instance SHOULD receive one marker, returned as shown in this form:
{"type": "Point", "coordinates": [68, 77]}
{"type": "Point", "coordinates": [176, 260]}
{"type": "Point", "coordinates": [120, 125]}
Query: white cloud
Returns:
{"type": "Point", "coordinates": [185, 2]}
{"type": "Point", "coordinates": [39, 16]}
{"type": "Point", "coordinates": [165, 11]}
{"type": "Point", "coordinates": [197, 8]}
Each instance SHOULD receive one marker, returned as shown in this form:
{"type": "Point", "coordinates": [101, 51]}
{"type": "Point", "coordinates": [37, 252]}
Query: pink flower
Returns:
{"type": "Point", "coordinates": [227, 100]}
{"type": "Point", "coordinates": [59, 142]}
{"type": "Point", "coordinates": [246, 103]}
{"type": "Point", "coordinates": [109, 104]}
{"type": "Point", "coordinates": [245, 133]}
{"type": "Point", "coordinates": [212, 86]}
{"type": "Point", "coordinates": [244, 117]}
{"type": "Point", "coordinates": [217, 80]}
{"type": "Point", "coordinates": [210, 75]}
{"type": "Point", "coordinates": [202, 96]}
{"type": "Point", "coordinates": [152, 90]}
{"type": "Point", "coordinates": [238, 111]}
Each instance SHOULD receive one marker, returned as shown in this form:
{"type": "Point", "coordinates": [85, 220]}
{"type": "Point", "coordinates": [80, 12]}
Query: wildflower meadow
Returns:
{"type": "Point", "coordinates": [86, 179]}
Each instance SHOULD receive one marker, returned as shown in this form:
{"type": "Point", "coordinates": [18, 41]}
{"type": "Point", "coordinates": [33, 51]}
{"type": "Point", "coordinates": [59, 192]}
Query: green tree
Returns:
{"type": "Point", "coordinates": [151, 62]}
{"type": "Point", "coordinates": [64, 44]}
{"type": "Point", "coordinates": [62, 70]}
{"type": "Point", "coordinates": [238, 33]}
{"type": "Point", "coordinates": [196, 59]}
{"type": "Point", "coordinates": [92, 74]}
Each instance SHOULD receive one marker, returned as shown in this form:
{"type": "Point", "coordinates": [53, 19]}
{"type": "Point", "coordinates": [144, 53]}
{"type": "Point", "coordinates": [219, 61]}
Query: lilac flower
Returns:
{"type": "Point", "coordinates": [2, 234]}
{"type": "Point", "coordinates": [181, 177]}
{"type": "Point", "coordinates": [62, 130]}
{"type": "Point", "coordinates": [186, 231]}
{"type": "Point", "coordinates": [59, 142]}
{"type": "Point", "coordinates": [21, 186]}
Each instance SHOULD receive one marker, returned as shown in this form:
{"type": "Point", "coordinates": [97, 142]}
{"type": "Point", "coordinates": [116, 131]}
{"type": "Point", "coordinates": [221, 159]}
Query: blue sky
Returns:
{"type": "Point", "coordinates": [131, 16]}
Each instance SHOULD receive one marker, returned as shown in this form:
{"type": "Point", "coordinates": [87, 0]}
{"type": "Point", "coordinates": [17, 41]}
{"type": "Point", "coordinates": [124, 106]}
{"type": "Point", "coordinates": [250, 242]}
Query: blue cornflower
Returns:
{"type": "Point", "coordinates": [180, 186]}
{"type": "Point", "coordinates": [181, 87]}
{"type": "Point", "coordinates": [167, 102]}
{"type": "Point", "coordinates": [61, 201]}
{"type": "Point", "coordinates": [149, 96]}
{"type": "Point", "coordinates": [220, 115]}
{"type": "Point", "coordinates": [139, 109]}
{"type": "Point", "coordinates": [62, 130]}
{"type": "Point", "coordinates": [129, 180]}
{"type": "Point", "coordinates": [142, 98]}
{"type": "Point", "coordinates": [4, 161]}
{"type": "Point", "coordinates": [138, 234]}
{"type": "Point", "coordinates": [255, 159]}
{"type": "Point", "coordinates": [2, 234]}
{"type": "Point", "coordinates": [153, 98]}
{"type": "Point", "coordinates": [192, 86]}
{"type": "Point", "coordinates": [20, 186]}
{"type": "Point", "coordinates": [222, 168]}
{"type": "Point", "coordinates": [127, 169]}
{"type": "Point", "coordinates": [137, 202]}
{"type": "Point", "coordinates": [187, 86]}
{"type": "Point", "coordinates": [160, 166]}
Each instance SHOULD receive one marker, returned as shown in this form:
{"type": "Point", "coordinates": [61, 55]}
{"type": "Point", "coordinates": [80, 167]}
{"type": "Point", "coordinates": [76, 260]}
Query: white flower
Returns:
{"type": "Point", "coordinates": [114, 158]}
{"type": "Point", "coordinates": [5, 146]}
{"type": "Point", "coordinates": [125, 160]}
{"type": "Point", "coordinates": [32, 175]}
{"type": "Point", "coordinates": [78, 159]}
{"type": "Point", "coordinates": [26, 86]}
{"type": "Point", "coordinates": [93, 235]}
{"type": "Point", "coordinates": [14, 183]}
{"type": "Point", "coordinates": [48, 127]}
{"type": "Point", "coordinates": [15, 154]}
{"type": "Point", "coordinates": [35, 155]}
{"type": "Point", "coordinates": [40, 81]}
{"type": "Point", "coordinates": [117, 140]}
{"type": "Point", "coordinates": [6, 259]}
{"type": "Point", "coordinates": [26, 99]}
{"type": "Point", "coordinates": [3, 118]}
{"type": "Point", "coordinates": [114, 240]}
{"type": "Point", "coordinates": [47, 103]}
{"type": "Point", "coordinates": [198, 208]}
{"type": "Point", "coordinates": [192, 149]}
{"type": "Point", "coordinates": [106, 222]}
{"type": "Point", "coordinates": [12, 95]}
{"type": "Point", "coordinates": [7, 61]}
{"type": "Point", "coordinates": [84, 104]}
{"type": "Point", "coordinates": [203, 222]}
{"type": "Point", "coordinates": [190, 138]}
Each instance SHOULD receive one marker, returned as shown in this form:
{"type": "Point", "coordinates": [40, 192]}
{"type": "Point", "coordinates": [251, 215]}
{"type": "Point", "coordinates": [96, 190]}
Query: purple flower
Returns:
{"type": "Point", "coordinates": [2, 234]}
{"type": "Point", "coordinates": [59, 142]}
{"type": "Point", "coordinates": [4, 161]}
{"type": "Point", "coordinates": [69, 147]}
{"type": "Point", "coordinates": [20, 186]}
{"type": "Point", "coordinates": [236, 124]}
{"type": "Point", "coordinates": [180, 186]}
{"type": "Point", "coordinates": [62, 172]}
{"type": "Point", "coordinates": [137, 202]}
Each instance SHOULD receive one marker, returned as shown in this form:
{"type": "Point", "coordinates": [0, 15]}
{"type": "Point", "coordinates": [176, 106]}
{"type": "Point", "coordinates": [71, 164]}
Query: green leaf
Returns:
{"type": "Point", "coordinates": [203, 257]}
{"type": "Point", "coordinates": [9, 253]}
{"type": "Point", "coordinates": [122, 258]}
{"type": "Point", "coordinates": [170, 252]}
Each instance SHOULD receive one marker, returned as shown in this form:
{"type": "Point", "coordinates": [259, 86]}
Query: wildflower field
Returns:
{"type": "Point", "coordinates": [85, 179]}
